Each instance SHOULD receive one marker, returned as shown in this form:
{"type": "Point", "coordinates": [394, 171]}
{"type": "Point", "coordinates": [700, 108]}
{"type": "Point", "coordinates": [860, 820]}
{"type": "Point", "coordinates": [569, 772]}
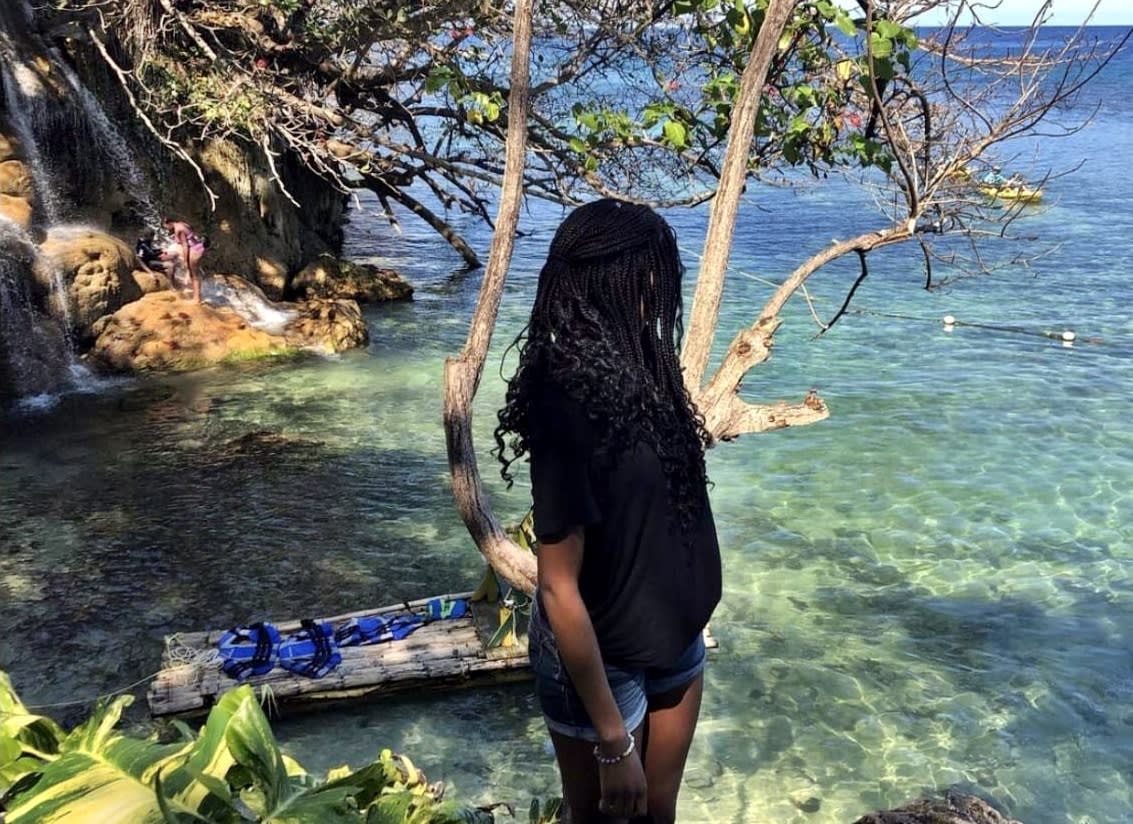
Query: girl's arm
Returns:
{"type": "Point", "coordinates": [623, 783]}
{"type": "Point", "coordinates": [559, 567]}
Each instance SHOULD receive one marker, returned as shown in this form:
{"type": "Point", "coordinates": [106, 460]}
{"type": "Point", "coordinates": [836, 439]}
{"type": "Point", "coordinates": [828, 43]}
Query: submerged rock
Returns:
{"type": "Point", "coordinates": [953, 809]}
{"type": "Point", "coordinates": [332, 277]}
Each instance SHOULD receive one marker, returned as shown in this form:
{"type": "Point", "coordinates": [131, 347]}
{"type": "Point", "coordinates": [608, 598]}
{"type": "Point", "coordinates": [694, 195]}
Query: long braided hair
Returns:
{"type": "Point", "coordinates": [604, 332]}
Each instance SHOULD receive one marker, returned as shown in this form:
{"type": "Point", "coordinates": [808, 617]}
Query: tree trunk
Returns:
{"type": "Point", "coordinates": [462, 374]}
{"type": "Point", "coordinates": [725, 205]}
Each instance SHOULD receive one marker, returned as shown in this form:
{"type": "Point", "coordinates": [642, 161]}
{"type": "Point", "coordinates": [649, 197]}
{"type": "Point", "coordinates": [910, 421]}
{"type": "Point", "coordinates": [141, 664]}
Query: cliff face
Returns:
{"type": "Point", "coordinates": [76, 152]}
{"type": "Point", "coordinates": [77, 163]}
{"type": "Point", "coordinates": [255, 229]}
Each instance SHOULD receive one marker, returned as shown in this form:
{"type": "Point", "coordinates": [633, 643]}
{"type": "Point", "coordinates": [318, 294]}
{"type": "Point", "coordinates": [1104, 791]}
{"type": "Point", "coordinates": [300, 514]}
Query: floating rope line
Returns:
{"type": "Point", "coordinates": [1067, 336]}
{"type": "Point", "coordinates": [95, 699]}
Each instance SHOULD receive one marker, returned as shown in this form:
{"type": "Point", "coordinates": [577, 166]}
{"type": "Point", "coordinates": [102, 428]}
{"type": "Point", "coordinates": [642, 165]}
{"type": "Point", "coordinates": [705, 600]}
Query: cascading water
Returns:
{"type": "Point", "coordinates": [112, 148]}
{"type": "Point", "coordinates": [35, 357]}
{"type": "Point", "coordinates": [80, 171]}
{"type": "Point", "coordinates": [22, 117]}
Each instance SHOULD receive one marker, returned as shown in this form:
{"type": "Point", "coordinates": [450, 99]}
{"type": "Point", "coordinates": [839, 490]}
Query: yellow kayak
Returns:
{"type": "Point", "coordinates": [1020, 194]}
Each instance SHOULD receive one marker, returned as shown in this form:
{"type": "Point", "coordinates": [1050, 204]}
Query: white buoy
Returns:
{"type": "Point", "coordinates": [1068, 336]}
{"type": "Point", "coordinates": [949, 322]}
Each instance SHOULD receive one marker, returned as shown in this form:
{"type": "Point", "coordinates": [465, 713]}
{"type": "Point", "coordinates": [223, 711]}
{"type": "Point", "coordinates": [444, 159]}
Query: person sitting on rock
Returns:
{"type": "Point", "coordinates": [149, 255]}
{"type": "Point", "coordinates": [192, 247]}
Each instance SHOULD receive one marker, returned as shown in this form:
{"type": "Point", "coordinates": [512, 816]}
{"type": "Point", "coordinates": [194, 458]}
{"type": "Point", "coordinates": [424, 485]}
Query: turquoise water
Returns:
{"type": "Point", "coordinates": [932, 589]}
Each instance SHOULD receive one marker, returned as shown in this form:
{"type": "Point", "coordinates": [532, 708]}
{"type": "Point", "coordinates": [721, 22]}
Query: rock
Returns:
{"type": "Point", "coordinates": [953, 809]}
{"type": "Point", "coordinates": [16, 180]}
{"type": "Point", "coordinates": [7, 147]}
{"type": "Point", "coordinates": [96, 269]}
{"type": "Point", "coordinates": [254, 228]}
{"type": "Point", "coordinates": [330, 325]}
{"type": "Point", "coordinates": [164, 331]}
{"type": "Point", "coordinates": [332, 277]}
{"type": "Point", "coordinates": [16, 209]}
{"type": "Point", "coordinates": [148, 280]}
{"type": "Point", "coordinates": [34, 354]}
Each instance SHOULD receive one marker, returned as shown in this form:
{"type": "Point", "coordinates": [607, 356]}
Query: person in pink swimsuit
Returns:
{"type": "Point", "coordinates": [192, 248]}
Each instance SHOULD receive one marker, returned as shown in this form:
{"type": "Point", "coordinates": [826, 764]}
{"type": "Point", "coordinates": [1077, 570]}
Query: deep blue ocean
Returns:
{"type": "Point", "coordinates": [932, 589]}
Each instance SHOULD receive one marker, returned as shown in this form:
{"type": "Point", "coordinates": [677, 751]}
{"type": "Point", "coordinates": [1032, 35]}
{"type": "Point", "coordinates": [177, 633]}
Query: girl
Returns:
{"type": "Point", "coordinates": [629, 566]}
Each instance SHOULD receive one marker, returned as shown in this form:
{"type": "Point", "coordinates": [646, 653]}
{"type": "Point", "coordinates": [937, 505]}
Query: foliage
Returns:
{"type": "Point", "coordinates": [627, 97]}
{"type": "Point", "coordinates": [513, 602]}
{"type": "Point", "coordinates": [232, 771]}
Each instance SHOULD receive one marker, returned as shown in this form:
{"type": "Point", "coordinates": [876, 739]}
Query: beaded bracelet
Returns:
{"type": "Point", "coordinates": [608, 760]}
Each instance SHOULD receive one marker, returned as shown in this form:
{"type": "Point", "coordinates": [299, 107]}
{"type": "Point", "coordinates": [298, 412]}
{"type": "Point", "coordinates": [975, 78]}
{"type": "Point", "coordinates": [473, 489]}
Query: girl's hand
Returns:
{"type": "Point", "coordinates": [623, 787]}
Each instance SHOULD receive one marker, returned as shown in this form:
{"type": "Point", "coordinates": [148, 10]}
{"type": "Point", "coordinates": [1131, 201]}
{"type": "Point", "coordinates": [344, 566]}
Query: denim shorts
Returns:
{"type": "Point", "coordinates": [562, 707]}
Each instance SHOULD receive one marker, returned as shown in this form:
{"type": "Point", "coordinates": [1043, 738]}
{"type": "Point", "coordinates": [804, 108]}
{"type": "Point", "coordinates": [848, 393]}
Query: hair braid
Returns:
{"type": "Point", "coordinates": [604, 329]}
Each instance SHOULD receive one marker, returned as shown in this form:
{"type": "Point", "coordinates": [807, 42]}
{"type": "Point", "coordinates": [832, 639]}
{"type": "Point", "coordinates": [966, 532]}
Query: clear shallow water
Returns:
{"type": "Point", "coordinates": [933, 588]}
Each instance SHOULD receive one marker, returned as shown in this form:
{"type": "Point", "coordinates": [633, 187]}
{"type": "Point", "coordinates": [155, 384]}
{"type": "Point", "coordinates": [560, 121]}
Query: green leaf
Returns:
{"type": "Point", "coordinates": [880, 46]}
{"type": "Point", "coordinates": [34, 733]}
{"type": "Point", "coordinates": [504, 636]}
{"type": "Point", "coordinates": [887, 29]}
{"type": "Point", "coordinates": [390, 809]}
{"type": "Point", "coordinates": [452, 812]}
{"type": "Point", "coordinates": [845, 24]}
{"type": "Point", "coordinates": [253, 746]}
{"type": "Point", "coordinates": [200, 783]}
{"type": "Point", "coordinates": [588, 120]}
{"type": "Point", "coordinates": [100, 776]}
{"type": "Point", "coordinates": [676, 135]}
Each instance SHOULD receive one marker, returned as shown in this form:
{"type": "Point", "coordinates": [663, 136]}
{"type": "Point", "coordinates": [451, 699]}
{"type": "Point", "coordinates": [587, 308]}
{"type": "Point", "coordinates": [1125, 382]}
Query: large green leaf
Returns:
{"type": "Point", "coordinates": [34, 734]}
{"type": "Point", "coordinates": [280, 798]}
{"type": "Point", "coordinates": [100, 776]}
{"type": "Point", "coordinates": [250, 740]}
{"type": "Point", "coordinates": [200, 783]}
{"type": "Point", "coordinates": [452, 812]}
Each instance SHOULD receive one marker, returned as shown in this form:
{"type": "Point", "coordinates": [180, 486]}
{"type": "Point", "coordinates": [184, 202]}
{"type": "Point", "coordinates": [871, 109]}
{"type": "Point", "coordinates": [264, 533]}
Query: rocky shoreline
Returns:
{"type": "Point", "coordinates": [134, 320]}
{"type": "Point", "coordinates": [120, 316]}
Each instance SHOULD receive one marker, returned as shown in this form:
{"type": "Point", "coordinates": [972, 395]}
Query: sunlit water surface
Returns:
{"type": "Point", "coordinates": [932, 589]}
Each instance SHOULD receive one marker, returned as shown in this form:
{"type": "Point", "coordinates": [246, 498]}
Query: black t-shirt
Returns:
{"type": "Point", "coordinates": [648, 590]}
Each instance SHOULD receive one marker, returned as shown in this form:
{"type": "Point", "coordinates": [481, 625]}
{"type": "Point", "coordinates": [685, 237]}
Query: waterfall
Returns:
{"type": "Point", "coordinates": [22, 116]}
{"type": "Point", "coordinates": [112, 148]}
{"type": "Point", "coordinates": [80, 167]}
{"type": "Point", "coordinates": [79, 159]}
{"type": "Point", "coordinates": [35, 356]}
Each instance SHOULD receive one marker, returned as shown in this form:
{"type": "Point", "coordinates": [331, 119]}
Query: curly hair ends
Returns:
{"type": "Point", "coordinates": [604, 331]}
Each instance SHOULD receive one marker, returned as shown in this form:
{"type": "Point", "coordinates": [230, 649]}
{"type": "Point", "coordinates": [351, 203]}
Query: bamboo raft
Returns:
{"type": "Point", "coordinates": [446, 653]}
